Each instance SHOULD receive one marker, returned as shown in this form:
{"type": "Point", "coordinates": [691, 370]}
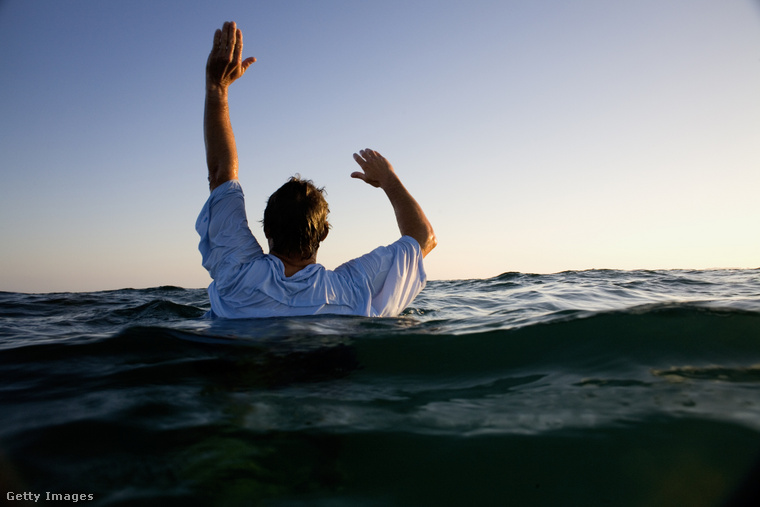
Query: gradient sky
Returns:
{"type": "Point", "coordinates": [538, 136]}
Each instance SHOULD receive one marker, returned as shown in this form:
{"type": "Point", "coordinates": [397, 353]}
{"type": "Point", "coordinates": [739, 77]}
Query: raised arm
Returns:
{"type": "Point", "coordinates": [224, 66]}
{"type": "Point", "coordinates": [378, 172]}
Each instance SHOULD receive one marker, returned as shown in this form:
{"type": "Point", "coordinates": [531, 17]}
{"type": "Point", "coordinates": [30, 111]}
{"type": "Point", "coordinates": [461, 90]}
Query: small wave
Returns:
{"type": "Point", "coordinates": [159, 309]}
{"type": "Point", "coordinates": [713, 373]}
{"type": "Point", "coordinates": [587, 343]}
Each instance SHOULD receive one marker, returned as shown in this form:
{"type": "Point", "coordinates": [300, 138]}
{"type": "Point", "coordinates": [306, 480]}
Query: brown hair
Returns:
{"type": "Point", "coordinates": [295, 218]}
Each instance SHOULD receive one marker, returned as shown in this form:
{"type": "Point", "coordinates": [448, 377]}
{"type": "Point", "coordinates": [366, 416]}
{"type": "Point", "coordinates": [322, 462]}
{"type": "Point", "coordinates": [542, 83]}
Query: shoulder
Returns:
{"type": "Point", "coordinates": [403, 252]}
{"type": "Point", "coordinates": [404, 245]}
{"type": "Point", "coordinates": [226, 188]}
{"type": "Point", "coordinates": [409, 242]}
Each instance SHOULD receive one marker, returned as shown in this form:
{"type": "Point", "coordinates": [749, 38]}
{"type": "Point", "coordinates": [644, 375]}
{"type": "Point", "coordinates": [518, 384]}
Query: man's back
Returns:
{"type": "Point", "coordinates": [249, 283]}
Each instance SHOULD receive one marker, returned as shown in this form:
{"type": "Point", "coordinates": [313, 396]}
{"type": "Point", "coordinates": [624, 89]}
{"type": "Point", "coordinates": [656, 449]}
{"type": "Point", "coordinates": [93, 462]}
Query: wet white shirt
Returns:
{"type": "Point", "coordinates": [249, 283]}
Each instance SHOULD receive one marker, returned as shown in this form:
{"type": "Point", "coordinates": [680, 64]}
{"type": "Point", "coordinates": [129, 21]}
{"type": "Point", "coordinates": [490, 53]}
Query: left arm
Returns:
{"type": "Point", "coordinates": [224, 66]}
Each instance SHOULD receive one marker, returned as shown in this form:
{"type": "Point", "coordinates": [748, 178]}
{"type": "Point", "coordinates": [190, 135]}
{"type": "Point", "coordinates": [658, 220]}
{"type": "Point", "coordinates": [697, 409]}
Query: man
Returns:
{"type": "Point", "coordinates": [288, 281]}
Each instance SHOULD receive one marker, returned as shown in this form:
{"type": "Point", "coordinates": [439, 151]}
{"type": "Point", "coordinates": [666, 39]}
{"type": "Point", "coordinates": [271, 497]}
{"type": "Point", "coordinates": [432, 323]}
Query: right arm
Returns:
{"type": "Point", "coordinates": [378, 172]}
{"type": "Point", "coordinates": [224, 66]}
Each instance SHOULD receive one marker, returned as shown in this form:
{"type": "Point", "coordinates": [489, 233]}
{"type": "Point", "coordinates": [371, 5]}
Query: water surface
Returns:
{"type": "Point", "coordinates": [625, 388]}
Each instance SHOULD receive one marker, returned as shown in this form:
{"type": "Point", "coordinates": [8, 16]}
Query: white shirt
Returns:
{"type": "Point", "coordinates": [249, 283]}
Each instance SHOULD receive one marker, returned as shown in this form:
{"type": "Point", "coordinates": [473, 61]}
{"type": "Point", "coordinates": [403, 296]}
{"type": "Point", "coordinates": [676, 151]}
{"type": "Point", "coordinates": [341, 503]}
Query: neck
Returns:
{"type": "Point", "coordinates": [294, 264]}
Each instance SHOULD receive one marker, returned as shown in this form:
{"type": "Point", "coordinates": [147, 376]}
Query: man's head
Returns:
{"type": "Point", "coordinates": [295, 219]}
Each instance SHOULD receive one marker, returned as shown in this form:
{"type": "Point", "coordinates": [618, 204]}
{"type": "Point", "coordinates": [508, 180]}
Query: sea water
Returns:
{"type": "Point", "coordinates": [623, 388]}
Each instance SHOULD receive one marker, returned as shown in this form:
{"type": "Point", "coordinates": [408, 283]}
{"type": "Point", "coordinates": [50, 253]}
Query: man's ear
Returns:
{"type": "Point", "coordinates": [324, 232]}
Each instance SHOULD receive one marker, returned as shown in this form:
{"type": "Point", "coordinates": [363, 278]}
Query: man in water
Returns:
{"type": "Point", "coordinates": [288, 281]}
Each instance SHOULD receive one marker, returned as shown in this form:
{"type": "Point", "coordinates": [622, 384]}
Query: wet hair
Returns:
{"type": "Point", "coordinates": [295, 218]}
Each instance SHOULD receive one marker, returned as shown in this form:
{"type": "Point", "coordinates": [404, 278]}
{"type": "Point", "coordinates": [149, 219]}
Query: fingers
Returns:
{"type": "Point", "coordinates": [237, 47]}
{"type": "Point", "coordinates": [222, 47]}
{"type": "Point", "coordinates": [239, 52]}
{"type": "Point", "coordinates": [217, 40]}
{"type": "Point", "coordinates": [367, 156]}
{"type": "Point", "coordinates": [247, 63]}
{"type": "Point", "coordinates": [230, 48]}
{"type": "Point", "coordinates": [368, 161]}
{"type": "Point", "coordinates": [244, 64]}
{"type": "Point", "coordinates": [227, 40]}
{"type": "Point", "coordinates": [361, 176]}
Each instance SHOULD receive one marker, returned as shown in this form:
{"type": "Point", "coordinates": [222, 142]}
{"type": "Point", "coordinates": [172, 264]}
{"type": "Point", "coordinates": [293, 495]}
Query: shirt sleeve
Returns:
{"type": "Point", "coordinates": [394, 275]}
{"type": "Point", "coordinates": [226, 240]}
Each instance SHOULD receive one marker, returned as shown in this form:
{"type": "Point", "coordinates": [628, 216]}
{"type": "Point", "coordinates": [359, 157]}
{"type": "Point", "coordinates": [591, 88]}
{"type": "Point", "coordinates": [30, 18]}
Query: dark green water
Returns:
{"type": "Point", "coordinates": [581, 388]}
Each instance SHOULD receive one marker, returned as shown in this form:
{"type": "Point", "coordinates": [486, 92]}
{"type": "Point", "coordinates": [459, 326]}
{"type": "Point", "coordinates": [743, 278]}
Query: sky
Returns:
{"type": "Point", "coordinates": [538, 135]}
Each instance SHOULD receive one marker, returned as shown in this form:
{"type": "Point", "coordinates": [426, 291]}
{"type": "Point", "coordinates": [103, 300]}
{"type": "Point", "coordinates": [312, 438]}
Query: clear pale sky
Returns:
{"type": "Point", "coordinates": [538, 135]}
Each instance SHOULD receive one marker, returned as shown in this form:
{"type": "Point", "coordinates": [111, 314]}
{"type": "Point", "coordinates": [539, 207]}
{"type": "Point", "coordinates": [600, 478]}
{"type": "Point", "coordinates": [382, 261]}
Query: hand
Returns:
{"type": "Point", "coordinates": [225, 63]}
{"type": "Point", "coordinates": [376, 168]}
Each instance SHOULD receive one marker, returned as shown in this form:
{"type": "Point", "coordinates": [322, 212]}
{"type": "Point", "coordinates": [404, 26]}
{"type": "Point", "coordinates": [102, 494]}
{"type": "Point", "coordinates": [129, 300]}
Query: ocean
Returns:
{"type": "Point", "coordinates": [581, 388]}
